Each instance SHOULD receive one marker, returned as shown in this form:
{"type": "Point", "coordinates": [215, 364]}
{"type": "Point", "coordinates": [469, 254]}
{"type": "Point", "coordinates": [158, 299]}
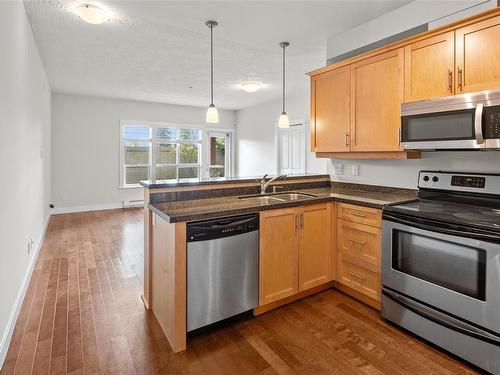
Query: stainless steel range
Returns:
{"type": "Point", "coordinates": [441, 265]}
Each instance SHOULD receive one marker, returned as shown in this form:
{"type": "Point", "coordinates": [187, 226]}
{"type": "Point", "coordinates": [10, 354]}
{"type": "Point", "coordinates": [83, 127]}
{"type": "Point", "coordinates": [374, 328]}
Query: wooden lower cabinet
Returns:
{"type": "Point", "coordinates": [360, 241]}
{"type": "Point", "coordinates": [315, 249]}
{"type": "Point", "coordinates": [278, 262]}
{"type": "Point", "coordinates": [295, 251]}
{"type": "Point", "coordinates": [361, 276]}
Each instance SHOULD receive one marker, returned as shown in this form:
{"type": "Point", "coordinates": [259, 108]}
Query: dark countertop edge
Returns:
{"type": "Point", "coordinates": [360, 201]}
{"type": "Point", "coordinates": [173, 183]}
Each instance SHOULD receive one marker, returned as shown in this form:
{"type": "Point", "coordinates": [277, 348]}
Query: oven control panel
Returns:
{"type": "Point", "coordinates": [460, 182]}
{"type": "Point", "coordinates": [468, 181]}
{"type": "Point", "coordinates": [492, 122]}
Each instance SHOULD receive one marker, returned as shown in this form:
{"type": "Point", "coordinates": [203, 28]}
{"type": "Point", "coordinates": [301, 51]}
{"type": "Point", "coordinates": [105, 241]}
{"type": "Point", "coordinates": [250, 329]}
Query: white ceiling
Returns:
{"type": "Point", "coordinates": [159, 50]}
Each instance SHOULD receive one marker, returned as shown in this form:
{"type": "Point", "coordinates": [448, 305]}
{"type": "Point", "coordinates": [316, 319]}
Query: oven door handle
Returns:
{"type": "Point", "coordinates": [478, 123]}
{"type": "Point", "coordinates": [452, 232]}
{"type": "Point", "coordinates": [441, 318]}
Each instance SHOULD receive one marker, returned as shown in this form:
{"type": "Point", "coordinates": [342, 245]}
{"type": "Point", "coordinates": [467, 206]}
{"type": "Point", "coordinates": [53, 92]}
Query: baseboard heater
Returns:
{"type": "Point", "coordinates": [133, 203]}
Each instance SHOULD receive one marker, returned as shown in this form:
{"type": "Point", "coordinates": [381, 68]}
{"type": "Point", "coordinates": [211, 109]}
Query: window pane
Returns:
{"type": "Point", "coordinates": [135, 174]}
{"type": "Point", "coordinates": [166, 154]}
{"type": "Point", "coordinates": [136, 132]}
{"type": "Point", "coordinates": [217, 172]}
{"type": "Point", "coordinates": [217, 151]}
{"type": "Point", "coordinates": [136, 153]}
{"type": "Point", "coordinates": [166, 133]}
{"type": "Point", "coordinates": [188, 153]}
{"type": "Point", "coordinates": [166, 173]}
{"type": "Point", "coordinates": [190, 172]}
{"type": "Point", "coordinates": [190, 134]}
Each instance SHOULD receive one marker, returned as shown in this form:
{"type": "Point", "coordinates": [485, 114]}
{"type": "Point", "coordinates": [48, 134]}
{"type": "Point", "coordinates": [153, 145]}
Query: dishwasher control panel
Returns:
{"type": "Point", "coordinates": [222, 227]}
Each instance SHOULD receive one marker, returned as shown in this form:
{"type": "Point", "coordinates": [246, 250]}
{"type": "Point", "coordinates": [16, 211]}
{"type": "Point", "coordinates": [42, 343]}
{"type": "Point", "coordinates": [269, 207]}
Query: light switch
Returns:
{"type": "Point", "coordinates": [355, 170]}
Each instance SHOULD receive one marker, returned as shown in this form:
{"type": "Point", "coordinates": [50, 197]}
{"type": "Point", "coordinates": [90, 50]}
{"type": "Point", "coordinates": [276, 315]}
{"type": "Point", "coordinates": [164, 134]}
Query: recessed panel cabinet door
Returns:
{"type": "Point", "coordinates": [478, 56]}
{"type": "Point", "coordinates": [330, 110]}
{"type": "Point", "coordinates": [429, 67]}
{"type": "Point", "coordinates": [278, 264]}
{"type": "Point", "coordinates": [377, 91]}
{"type": "Point", "coordinates": [315, 246]}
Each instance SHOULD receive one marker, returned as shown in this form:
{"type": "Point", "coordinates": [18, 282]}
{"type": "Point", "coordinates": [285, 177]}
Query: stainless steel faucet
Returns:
{"type": "Point", "coordinates": [264, 184]}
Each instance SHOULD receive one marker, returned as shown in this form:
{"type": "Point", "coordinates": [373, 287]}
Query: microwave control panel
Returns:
{"type": "Point", "coordinates": [492, 128]}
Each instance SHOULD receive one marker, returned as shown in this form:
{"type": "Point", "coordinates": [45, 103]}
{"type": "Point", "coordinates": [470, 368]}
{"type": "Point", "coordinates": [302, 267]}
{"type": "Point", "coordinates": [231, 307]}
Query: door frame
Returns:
{"type": "Point", "coordinates": [277, 143]}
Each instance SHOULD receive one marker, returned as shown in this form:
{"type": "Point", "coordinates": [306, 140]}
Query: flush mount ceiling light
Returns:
{"type": "Point", "coordinates": [250, 86]}
{"type": "Point", "coordinates": [283, 121]}
{"type": "Point", "coordinates": [92, 13]}
{"type": "Point", "coordinates": [212, 114]}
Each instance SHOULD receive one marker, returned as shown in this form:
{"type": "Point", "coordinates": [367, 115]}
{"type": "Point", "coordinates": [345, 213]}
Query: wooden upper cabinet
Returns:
{"type": "Point", "coordinates": [377, 91]}
{"type": "Point", "coordinates": [478, 56]}
{"type": "Point", "coordinates": [315, 245]}
{"type": "Point", "coordinates": [429, 67]}
{"type": "Point", "coordinates": [278, 263]}
{"type": "Point", "coordinates": [330, 110]}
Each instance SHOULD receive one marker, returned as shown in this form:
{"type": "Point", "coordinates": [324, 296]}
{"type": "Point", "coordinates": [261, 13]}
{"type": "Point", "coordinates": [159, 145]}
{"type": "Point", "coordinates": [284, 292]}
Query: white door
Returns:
{"type": "Point", "coordinates": [292, 149]}
{"type": "Point", "coordinates": [218, 154]}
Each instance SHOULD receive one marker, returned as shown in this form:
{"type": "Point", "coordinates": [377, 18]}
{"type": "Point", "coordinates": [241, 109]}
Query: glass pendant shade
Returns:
{"type": "Point", "coordinates": [283, 121]}
{"type": "Point", "coordinates": [212, 114]}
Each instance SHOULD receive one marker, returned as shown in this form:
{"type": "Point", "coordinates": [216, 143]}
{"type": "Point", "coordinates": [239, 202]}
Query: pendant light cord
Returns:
{"type": "Point", "coordinates": [211, 65]}
{"type": "Point", "coordinates": [284, 78]}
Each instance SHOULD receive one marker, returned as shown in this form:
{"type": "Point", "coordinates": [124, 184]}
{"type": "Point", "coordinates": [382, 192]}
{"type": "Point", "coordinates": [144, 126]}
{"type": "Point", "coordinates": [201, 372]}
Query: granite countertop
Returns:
{"type": "Point", "coordinates": [201, 209]}
{"type": "Point", "coordinates": [155, 184]}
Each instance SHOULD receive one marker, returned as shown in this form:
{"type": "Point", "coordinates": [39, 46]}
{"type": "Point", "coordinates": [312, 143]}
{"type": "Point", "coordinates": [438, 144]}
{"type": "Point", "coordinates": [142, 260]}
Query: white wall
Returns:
{"type": "Point", "coordinates": [255, 136]}
{"type": "Point", "coordinates": [25, 159]}
{"type": "Point", "coordinates": [86, 146]}
{"type": "Point", "coordinates": [403, 173]}
{"type": "Point", "coordinates": [416, 13]}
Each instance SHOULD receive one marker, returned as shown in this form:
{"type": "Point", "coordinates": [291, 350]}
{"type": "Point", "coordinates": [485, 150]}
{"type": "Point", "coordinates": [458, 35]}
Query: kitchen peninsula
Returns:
{"type": "Point", "coordinates": [304, 235]}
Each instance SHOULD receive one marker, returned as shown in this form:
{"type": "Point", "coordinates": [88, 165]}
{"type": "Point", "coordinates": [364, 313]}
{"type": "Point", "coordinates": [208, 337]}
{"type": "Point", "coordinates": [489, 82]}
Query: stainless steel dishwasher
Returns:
{"type": "Point", "coordinates": [222, 269]}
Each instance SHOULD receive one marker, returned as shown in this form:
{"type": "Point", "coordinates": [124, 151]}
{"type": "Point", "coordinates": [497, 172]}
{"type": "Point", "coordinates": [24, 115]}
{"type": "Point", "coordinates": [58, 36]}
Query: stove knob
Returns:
{"type": "Point", "coordinates": [435, 179]}
{"type": "Point", "coordinates": [426, 178]}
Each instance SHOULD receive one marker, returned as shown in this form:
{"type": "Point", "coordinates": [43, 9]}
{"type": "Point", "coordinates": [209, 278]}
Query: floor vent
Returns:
{"type": "Point", "coordinates": [133, 203]}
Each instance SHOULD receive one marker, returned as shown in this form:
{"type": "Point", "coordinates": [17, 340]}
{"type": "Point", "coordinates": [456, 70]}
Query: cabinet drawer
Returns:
{"type": "Point", "coordinates": [359, 241]}
{"type": "Point", "coordinates": [361, 276]}
{"type": "Point", "coordinates": [360, 214]}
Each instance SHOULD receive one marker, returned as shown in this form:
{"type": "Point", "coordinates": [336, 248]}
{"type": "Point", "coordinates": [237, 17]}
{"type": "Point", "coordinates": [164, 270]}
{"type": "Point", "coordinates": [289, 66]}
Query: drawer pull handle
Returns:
{"type": "Point", "coordinates": [358, 242]}
{"type": "Point", "coordinates": [355, 274]}
{"type": "Point", "coordinates": [359, 214]}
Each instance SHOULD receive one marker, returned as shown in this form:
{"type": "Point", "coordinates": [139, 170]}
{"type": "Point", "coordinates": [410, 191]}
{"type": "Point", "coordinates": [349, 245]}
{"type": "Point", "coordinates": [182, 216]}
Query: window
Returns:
{"type": "Point", "coordinates": [168, 152]}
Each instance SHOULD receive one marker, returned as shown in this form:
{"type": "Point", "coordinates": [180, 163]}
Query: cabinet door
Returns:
{"type": "Point", "coordinates": [315, 246]}
{"type": "Point", "coordinates": [429, 66]}
{"type": "Point", "coordinates": [278, 264]}
{"type": "Point", "coordinates": [330, 110]}
{"type": "Point", "coordinates": [478, 56]}
{"type": "Point", "coordinates": [377, 91]}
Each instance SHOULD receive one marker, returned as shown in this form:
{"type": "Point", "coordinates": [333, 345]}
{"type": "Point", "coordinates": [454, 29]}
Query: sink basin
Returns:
{"type": "Point", "coordinates": [279, 197]}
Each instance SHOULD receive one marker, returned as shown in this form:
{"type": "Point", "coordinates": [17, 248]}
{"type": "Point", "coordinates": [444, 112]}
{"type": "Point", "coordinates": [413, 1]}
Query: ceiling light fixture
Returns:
{"type": "Point", "coordinates": [250, 86]}
{"type": "Point", "coordinates": [212, 114]}
{"type": "Point", "coordinates": [283, 121]}
{"type": "Point", "coordinates": [92, 13]}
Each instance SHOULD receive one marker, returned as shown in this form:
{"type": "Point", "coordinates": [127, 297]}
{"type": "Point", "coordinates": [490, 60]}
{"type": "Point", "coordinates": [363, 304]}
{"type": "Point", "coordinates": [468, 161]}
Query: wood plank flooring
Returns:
{"type": "Point", "coordinates": [83, 315]}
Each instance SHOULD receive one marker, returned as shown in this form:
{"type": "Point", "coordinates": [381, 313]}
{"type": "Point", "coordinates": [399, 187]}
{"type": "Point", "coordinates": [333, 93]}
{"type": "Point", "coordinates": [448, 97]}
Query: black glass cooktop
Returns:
{"type": "Point", "coordinates": [463, 214]}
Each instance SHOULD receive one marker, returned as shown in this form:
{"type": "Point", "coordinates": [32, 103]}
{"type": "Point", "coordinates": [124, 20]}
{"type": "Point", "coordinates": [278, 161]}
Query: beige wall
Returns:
{"type": "Point", "coordinates": [86, 146]}
{"type": "Point", "coordinates": [25, 160]}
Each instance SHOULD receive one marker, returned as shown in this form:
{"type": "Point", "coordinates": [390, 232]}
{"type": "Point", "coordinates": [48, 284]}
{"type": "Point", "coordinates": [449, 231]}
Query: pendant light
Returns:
{"type": "Point", "coordinates": [283, 121]}
{"type": "Point", "coordinates": [212, 114]}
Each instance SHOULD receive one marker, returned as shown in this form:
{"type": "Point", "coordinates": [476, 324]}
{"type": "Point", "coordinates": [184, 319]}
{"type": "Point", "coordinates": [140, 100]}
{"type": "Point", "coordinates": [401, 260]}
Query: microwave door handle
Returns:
{"type": "Point", "coordinates": [478, 123]}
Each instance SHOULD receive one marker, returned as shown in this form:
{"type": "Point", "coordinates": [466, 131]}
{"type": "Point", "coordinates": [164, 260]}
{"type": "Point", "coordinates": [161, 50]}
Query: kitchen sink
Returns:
{"type": "Point", "coordinates": [279, 197]}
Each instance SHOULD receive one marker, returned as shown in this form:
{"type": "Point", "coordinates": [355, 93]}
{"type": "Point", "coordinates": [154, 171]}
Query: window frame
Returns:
{"type": "Point", "coordinates": [154, 141]}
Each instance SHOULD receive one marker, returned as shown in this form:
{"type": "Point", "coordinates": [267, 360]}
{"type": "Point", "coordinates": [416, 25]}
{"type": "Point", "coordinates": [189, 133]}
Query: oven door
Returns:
{"type": "Point", "coordinates": [443, 127]}
{"type": "Point", "coordinates": [444, 269]}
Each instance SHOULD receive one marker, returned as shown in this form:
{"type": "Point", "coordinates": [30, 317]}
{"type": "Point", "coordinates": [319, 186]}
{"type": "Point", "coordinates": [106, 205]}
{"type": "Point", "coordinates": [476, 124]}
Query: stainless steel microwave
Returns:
{"type": "Point", "coordinates": [461, 122]}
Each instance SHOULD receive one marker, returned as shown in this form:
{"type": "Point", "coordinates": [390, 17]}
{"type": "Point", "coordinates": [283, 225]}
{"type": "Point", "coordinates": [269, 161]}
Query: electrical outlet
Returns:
{"type": "Point", "coordinates": [338, 169]}
{"type": "Point", "coordinates": [355, 170]}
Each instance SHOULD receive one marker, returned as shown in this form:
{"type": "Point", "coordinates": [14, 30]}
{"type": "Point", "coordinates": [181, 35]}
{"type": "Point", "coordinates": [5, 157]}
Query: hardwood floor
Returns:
{"type": "Point", "coordinates": [83, 314]}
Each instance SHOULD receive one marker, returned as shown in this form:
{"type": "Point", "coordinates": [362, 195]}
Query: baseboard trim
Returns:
{"type": "Point", "coordinates": [7, 337]}
{"type": "Point", "coordinates": [94, 207]}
